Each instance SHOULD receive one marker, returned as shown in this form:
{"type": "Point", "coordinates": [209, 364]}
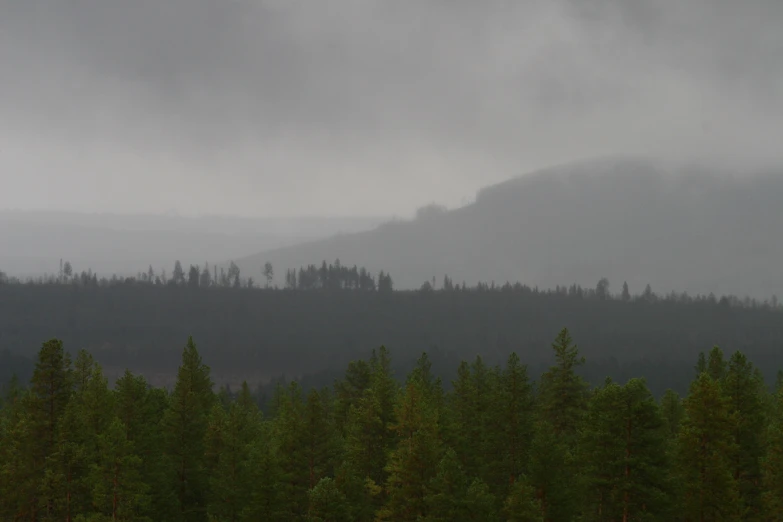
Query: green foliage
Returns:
{"type": "Point", "coordinates": [229, 441]}
{"type": "Point", "coordinates": [772, 464]}
{"type": "Point", "coordinates": [488, 450]}
{"type": "Point", "coordinates": [414, 461]}
{"type": "Point", "coordinates": [184, 427]}
{"type": "Point", "coordinates": [523, 505]}
{"type": "Point", "coordinates": [672, 411]}
{"type": "Point", "coordinates": [327, 503]}
{"type": "Point", "coordinates": [563, 394]}
{"type": "Point", "coordinates": [745, 388]}
{"type": "Point", "coordinates": [706, 451]}
{"type": "Point", "coordinates": [452, 496]}
{"type": "Point", "coordinates": [625, 455]}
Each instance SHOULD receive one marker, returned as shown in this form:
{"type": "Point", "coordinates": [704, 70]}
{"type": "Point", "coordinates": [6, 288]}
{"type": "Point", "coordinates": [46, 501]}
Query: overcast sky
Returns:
{"type": "Point", "coordinates": [290, 107]}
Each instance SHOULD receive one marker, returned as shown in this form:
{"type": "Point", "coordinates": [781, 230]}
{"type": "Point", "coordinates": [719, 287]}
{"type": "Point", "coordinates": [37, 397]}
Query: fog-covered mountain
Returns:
{"type": "Point", "coordinates": [32, 243]}
{"type": "Point", "coordinates": [683, 227]}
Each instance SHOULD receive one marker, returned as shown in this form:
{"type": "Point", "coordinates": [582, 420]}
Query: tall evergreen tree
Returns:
{"type": "Point", "coordinates": [772, 464]}
{"type": "Point", "coordinates": [184, 426]}
{"type": "Point", "coordinates": [291, 444]}
{"type": "Point", "coordinates": [672, 411]}
{"type": "Point", "coordinates": [51, 387]}
{"type": "Point", "coordinates": [509, 429]}
{"type": "Point", "coordinates": [18, 475]}
{"type": "Point", "coordinates": [745, 388]}
{"type": "Point", "coordinates": [563, 394]}
{"type": "Point", "coordinates": [562, 404]}
{"type": "Point", "coordinates": [141, 409]}
{"type": "Point", "coordinates": [118, 490]}
{"type": "Point", "coordinates": [413, 462]}
{"type": "Point", "coordinates": [452, 496]}
{"type": "Point", "coordinates": [625, 455]}
{"type": "Point", "coordinates": [327, 503]}
{"type": "Point", "coordinates": [230, 437]}
{"type": "Point", "coordinates": [706, 451]}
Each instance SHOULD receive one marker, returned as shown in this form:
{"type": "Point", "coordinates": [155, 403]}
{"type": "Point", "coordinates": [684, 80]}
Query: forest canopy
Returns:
{"type": "Point", "coordinates": [496, 446]}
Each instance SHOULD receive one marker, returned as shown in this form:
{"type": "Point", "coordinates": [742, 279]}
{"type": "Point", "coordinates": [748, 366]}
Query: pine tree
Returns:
{"type": "Point", "coordinates": [349, 390]}
{"type": "Point", "coordinates": [184, 426]}
{"type": "Point", "coordinates": [326, 503]}
{"type": "Point", "coordinates": [716, 364]}
{"type": "Point", "coordinates": [368, 439]}
{"type": "Point", "coordinates": [118, 490]}
{"type": "Point", "coordinates": [522, 504]}
{"type": "Point", "coordinates": [552, 475]}
{"type": "Point", "coordinates": [452, 497]}
{"type": "Point", "coordinates": [465, 425]}
{"type": "Point", "coordinates": [563, 394]}
{"type": "Point", "coordinates": [413, 462]}
{"type": "Point", "coordinates": [706, 450]}
{"type": "Point", "coordinates": [141, 409]}
{"type": "Point", "coordinates": [229, 440]}
{"type": "Point", "coordinates": [745, 388]}
{"type": "Point", "coordinates": [359, 476]}
{"type": "Point", "coordinates": [672, 411]}
{"type": "Point", "coordinates": [772, 465]}
{"type": "Point", "coordinates": [320, 438]}
{"type": "Point", "coordinates": [18, 476]}
{"type": "Point", "coordinates": [447, 489]}
{"type": "Point", "coordinates": [625, 454]}
{"type": "Point", "coordinates": [51, 387]}
{"type": "Point", "coordinates": [562, 404]}
{"type": "Point", "coordinates": [266, 479]}
{"type": "Point", "coordinates": [290, 437]}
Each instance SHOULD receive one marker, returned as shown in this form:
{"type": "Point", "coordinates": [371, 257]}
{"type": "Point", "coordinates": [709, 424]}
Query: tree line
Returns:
{"type": "Point", "coordinates": [331, 276]}
{"type": "Point", "coordinates": [337, 276]}
{"type": "Point", "coordinates": [495, 446]}
{"type": "Point", "coordinates": [261, 334]}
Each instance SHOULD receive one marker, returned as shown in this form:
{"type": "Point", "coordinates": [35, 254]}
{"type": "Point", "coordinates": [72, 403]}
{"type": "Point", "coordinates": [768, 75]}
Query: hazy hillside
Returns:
{"type": "Point", "coordinates": [32, 243]}
{"type": "Point", "coordinates": [684, 228]}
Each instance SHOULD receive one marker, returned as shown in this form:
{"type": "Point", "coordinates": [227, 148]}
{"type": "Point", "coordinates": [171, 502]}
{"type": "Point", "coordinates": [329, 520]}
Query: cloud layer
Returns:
{"type": "Point", "coordinates": [262, 107]}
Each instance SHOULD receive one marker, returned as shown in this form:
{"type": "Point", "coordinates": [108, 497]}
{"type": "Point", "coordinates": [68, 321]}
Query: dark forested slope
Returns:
{"type": "Point", "coordinates": [684, 228]}
{"type": "Point", "coordinates": [256, 334]}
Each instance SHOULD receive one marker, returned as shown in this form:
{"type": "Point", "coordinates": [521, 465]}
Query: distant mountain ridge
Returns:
{"type": "Point", "coordinates": [682, 227]}
{"type": "Point", "coordinates": [33, 242]}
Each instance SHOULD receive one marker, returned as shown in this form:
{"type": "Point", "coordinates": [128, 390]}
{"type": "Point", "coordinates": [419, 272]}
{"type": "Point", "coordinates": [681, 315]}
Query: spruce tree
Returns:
{"type": "Point", "coordinates": [563, 394]}
{"type": "Point", "coordinates": [745, 388]}
{"type": "Point", "coordinates": [672, 411]}
{"type": "Point", "coordinates": [230, 437]}
{"type": "Point", "coordinates": [562, 404]}
{"type": "Point", "coordinates": [290, 438]}
{"type": "Point", "coordinates": [118, 490]}
{"type": "Point", "coordinates": [326, 503]}
{"type": "Point", "coordinates": [184, 426]}
{"type": "Point", "coordinates": [413, 463]}
{"type": "Point", "coordinates": [626, 455]}
{"type": "Point", "coordinates": [522, 504]}
{"type": "Point", "coordinates": [553, 475]}
{"type": "Point", "coordinates": [51, 387]}
{"type": "Point", "coordinates": [706, 452]}
{"type": "Point", "coordinates": [452, 496]}
{"type": "Point", "coordinates": [266, 479]}
{"type": "Point", "coordinates": [19, 479]}
{"type": "Point", "coordinates": [772, 464]}
{"type": "Point", "coordinates": [141, 409]}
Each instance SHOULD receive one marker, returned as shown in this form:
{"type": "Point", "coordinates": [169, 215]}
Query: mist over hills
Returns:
{"type": "Point", "coordinates": [32, 243]}
{"type": "Point", "coordinates": [676, 226]}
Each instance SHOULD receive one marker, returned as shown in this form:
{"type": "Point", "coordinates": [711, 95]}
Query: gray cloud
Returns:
{"type": "Point", "coordinates": [374, 106]}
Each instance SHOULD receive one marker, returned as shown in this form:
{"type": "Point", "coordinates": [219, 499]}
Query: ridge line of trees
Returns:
{"type": "Point", "coordinates": [336, 276]}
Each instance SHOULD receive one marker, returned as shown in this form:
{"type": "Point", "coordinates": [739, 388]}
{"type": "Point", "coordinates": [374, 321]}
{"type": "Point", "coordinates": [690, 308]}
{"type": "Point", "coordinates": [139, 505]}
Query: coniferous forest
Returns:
{"type": "Point", "coordinates": [326, 317]}
{"type": "Point", "coordinates": [496, 446]}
